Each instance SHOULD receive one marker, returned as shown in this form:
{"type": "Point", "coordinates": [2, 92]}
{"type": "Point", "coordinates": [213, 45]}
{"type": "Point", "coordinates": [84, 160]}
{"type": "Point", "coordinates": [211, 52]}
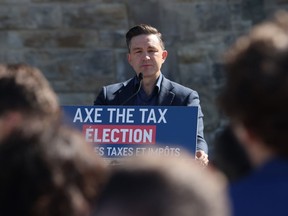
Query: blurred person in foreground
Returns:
{"type": "Point", "coordinates": [24, 93]}
{"type": "Point", "coordinates": [48, 172]}
{"type": "Point", "coordinates": [149, 87]}
{"type": "Point", "coordinates": [163, 186]}
{"type": "Point", "coordinates": [255, 98]}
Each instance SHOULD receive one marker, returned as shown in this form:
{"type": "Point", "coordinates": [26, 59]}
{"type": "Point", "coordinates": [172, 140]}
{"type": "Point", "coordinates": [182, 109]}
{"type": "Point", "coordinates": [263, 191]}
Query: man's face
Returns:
{"type": "Point", "coordinates": [146, 55]}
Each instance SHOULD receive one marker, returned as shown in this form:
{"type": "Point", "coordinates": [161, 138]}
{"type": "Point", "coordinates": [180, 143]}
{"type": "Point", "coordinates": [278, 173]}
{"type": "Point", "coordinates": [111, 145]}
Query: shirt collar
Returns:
{"type": "Point", "coordinates": [158, 82]}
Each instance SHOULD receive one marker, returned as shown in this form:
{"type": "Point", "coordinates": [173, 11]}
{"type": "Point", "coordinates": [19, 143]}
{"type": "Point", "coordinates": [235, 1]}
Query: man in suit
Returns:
{"type": "Point", "coordinates": [255, 97]}
{"type": "Point", "coordinates": [146, 54]}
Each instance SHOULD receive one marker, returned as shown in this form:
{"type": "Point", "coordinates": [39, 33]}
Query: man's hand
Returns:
{"type": "Point", "coordinates": [202, 157]}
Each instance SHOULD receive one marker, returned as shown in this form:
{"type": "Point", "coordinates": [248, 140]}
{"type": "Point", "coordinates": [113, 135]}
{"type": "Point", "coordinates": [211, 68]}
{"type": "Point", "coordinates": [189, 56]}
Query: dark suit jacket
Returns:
{"type": "Point", "coordinates": [171, 94]}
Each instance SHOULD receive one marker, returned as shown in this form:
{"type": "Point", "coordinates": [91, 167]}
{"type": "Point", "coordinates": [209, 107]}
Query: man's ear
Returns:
{"type": "Point", "coordinates": [244, 135]}
{"type": "Point", "coordinates": [164, 55]}
{"type": "Point", "coordinates": [241, 133]}
{"type": "Point", "coordinates": [255, 147]}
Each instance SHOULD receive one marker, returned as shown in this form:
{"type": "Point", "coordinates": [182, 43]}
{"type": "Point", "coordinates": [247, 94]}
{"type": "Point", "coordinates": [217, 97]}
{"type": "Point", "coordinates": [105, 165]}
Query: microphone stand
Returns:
{"type": "Point", "coordinates": [140, 78]}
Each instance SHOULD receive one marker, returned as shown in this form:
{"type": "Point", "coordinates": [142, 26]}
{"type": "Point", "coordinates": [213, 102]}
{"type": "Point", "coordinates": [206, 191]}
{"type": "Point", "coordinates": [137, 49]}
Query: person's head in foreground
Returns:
{"type": "Point", "coordinates": [255, 98]}
{"type": "Point", "coordinates": [24, 93]}
{"type": "Point", "coordinates": [53, 173]}
{"type": "Point", "coordinates": [162, 186]}
{"type": "Point", "coordinates": [256, 93]}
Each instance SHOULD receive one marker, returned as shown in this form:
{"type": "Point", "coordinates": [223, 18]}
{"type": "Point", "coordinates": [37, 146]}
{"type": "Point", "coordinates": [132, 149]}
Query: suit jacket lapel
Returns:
{"type": "Point", "coordinates": [166, 96]}
{"type": "Point", "coordinates": [125, 92]}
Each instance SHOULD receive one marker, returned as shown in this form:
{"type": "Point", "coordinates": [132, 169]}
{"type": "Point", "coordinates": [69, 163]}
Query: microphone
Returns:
{"type": "Point", "coordinates": [140, 78]}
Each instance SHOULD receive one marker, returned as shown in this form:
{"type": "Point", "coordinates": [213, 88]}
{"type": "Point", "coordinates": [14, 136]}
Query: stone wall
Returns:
{"type": "Point", "coordinates": [80, 45]}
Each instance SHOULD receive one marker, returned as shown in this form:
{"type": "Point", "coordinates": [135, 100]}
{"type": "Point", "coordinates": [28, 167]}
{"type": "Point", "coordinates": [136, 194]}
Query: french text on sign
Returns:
{"type": "Point", "coordinates": [120, 134]}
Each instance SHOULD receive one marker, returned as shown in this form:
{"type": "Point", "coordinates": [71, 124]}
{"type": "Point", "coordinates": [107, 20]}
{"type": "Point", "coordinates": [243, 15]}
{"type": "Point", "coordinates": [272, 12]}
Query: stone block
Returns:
{"type": "Point", "coordinates": [65, 1]}
{"type": "Point", "coordinates": [4, 39]}
{"type": "Point", "coordinates": [54, 39]}
{"type": "Point", "coordinates": [183, 19]}
{"type": "Point", "coordinates": [213, 16]}
{"type": "Point", "coordinates": [73, 64]}
{"type": "Point", "coordinates": [253, 10]}
{"type": "Point", "coordinates": [78, 99]}
{"type": "Point", "coordinates": [11, 56]}
{"type": "Point", "coordinates": [218, 73]}
{"type": "Point", "coordinates": [212, 117]}
{"type": "Point", "coordinates": [282, 1]}
{"type": "Point", "coordinates": [192, 53]}
{"type": "Point", "coordinates": [113, 39]}
{"type": "Point", "coordinates": [15, 1]}
{"type": "Point", "coordinates": [195, 75]}
{"type": "Point", "coordinates": [144, 12]}
{"type": "Point", "coordinates": [29, 16]}
{"type": "Point", "coordinates": [188, 19]}
{"type": "Point", "coordinates": [95, 16]}
{"type": "Point", "coordinates": [124, 69]}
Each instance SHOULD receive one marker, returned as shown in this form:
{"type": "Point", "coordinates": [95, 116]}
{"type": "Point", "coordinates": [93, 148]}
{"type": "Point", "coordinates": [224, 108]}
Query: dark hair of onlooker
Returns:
{"type": "Point", "coordinates": [162, 187]}
{"type": "Point", "coordinates": [24, 88]}
{"type": "Point", "coordinates": [50, 173]}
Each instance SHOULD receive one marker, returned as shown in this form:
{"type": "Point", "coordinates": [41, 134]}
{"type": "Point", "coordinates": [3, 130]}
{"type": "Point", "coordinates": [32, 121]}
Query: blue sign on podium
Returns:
{"type": "Point", "coordinates": [123, 131]}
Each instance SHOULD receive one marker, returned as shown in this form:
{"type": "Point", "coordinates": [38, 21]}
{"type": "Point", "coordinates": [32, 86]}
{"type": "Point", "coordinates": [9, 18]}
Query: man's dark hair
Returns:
{"type": "Point", "coordinates": [24, 88]}
{"type": "Point", "coordinates": [256, 90]}
{"type": "Point", "coordinates": [140, 30]}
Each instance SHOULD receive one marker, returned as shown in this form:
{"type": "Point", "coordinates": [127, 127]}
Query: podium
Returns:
{"type": "Point", "coordinates": [125, 131]}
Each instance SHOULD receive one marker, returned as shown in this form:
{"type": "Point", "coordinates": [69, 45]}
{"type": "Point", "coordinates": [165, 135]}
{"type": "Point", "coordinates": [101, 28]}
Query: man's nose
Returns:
{"type": "Point", "coordinates": [146, 56]}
